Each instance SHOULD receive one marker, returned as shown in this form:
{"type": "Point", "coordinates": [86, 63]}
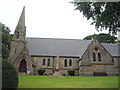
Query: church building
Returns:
{"type": "Point", "coordinates": [86, 57]}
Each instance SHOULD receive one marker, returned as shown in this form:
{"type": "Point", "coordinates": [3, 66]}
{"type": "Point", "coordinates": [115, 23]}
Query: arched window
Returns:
{"type": "Point", "coordinates": [48, 62]}
{"type": "Point", "coordinates": [96, 49]}
{"type": "Point", "coordinates": [99, 57]}
{"type": "Point", "coordinates": [44, 61]}
{"type": "Point", "coordinates": [70, 62]}
{"type": "Point", "coordinates": [17, 34]}
{"type": "Point", "coordinates": [113, 60]}
{"type": "Point", "coordinates": [94, 57]}
{"type": "Point", "coordinates": [15, 49]}
{"type": "Point", "coordinates": [65, 63]}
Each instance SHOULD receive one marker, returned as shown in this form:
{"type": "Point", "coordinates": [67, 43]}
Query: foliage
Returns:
{"type": "Point", "coordinates": [9, 75]}
{"type": "Point", "coordinates": [105, 15]}
{"type": "Point", "coordinates": [102, 38]}
{"type": "Point", "coordinates": [54, 70]}
{"type": "Point", "coordinates": [29, 81]}
{"type": "Point", "coordinates": [71, 72]}
{"type": "Point", "coordinates": [6, 39]}
{"type": "Point", "coordinates": [41, 71]}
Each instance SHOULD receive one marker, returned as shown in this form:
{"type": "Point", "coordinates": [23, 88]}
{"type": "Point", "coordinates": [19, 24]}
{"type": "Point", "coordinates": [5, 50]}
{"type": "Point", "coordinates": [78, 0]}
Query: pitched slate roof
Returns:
{"type": "Point", "coordinates": [113, 49]}
{"type": "Point", "coordinates": [65, 47]}
{"type": "Point", "coordinates": [57, 47]}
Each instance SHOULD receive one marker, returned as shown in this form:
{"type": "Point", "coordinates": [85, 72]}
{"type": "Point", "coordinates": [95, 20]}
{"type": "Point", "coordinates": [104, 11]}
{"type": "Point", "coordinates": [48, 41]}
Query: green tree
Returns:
{"type": "Point", "coordinates": [6, 39]}
{"type": "Point", "coordinates": [9, 75]}
{"type": "Point", "coordinates": [105, 15]}
{"type": "Point", "coordinates": [102, 38]}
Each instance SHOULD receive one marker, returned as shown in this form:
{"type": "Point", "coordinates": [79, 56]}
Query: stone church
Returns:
{"type": "Point", "coordinates": [86, 57]}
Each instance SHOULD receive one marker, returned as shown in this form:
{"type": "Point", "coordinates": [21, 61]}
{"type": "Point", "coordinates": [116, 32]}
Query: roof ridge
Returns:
{"type": "Point", "coordinates": [111, 43]}
{"type": "Point", "coordinates": [56, 38]}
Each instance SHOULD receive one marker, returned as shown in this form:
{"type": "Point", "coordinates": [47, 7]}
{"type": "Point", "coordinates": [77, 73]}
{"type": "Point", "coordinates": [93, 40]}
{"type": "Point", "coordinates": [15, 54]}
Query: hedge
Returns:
{"type": "Point", "coordinates": [41, 71]}
{"type": "Point", "coordinates": [71, 72]}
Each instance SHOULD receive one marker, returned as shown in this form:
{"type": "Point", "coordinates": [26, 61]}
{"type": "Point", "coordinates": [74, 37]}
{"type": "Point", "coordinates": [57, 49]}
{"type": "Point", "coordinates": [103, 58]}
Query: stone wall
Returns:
{"type": "Point", "coordinates": [50, 69]}
{"type": "Point", "coordinates": [16, 48]}
{"type": "Point", "coordinates": [90, 70]}
{"type": "Point", "coordinates": [117, 64]}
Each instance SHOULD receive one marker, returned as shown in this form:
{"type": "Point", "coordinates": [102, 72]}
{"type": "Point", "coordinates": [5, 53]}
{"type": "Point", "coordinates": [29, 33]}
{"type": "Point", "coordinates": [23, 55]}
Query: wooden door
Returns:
{"type": "Point", "coordinates": [23, 66]}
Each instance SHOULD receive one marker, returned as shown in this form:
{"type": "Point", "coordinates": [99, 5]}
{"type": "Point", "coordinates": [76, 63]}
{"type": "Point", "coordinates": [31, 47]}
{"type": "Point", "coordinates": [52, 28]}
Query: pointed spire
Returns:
{"type": "Point", "coordinates": [20, 31]}
{"type": "Point", "coordinates": [22, 18]}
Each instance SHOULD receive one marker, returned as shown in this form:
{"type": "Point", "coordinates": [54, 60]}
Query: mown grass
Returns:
{"type": "Point", "coordinates": [26, 81]}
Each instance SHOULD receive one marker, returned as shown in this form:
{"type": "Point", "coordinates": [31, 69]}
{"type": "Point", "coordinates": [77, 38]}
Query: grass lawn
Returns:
{"type": "Point", "coordinates": [27, 81]}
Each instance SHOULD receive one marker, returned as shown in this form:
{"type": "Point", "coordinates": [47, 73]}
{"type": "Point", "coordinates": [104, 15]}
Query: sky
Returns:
{"type": "Point", "coordinates": [47, 18]}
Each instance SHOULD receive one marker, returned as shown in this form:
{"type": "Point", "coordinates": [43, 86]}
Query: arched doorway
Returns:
{"type": "Point", "coordinates": [23, 66]}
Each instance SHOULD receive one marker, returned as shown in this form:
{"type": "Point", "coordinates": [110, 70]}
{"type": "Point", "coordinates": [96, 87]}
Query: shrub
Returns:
{"type": "Point", "coordinates": [9, 75]}
{"type": "Point", "coordinates": [54, 70]}
{"type": "Point", "coordinates": [41, 71]}
{"type": "Point", "coordinates": [71, 72]}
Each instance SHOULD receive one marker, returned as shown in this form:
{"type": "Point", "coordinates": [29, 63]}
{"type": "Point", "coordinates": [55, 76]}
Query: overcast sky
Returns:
{"type": "Point", "coordinates": [47, 18]}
